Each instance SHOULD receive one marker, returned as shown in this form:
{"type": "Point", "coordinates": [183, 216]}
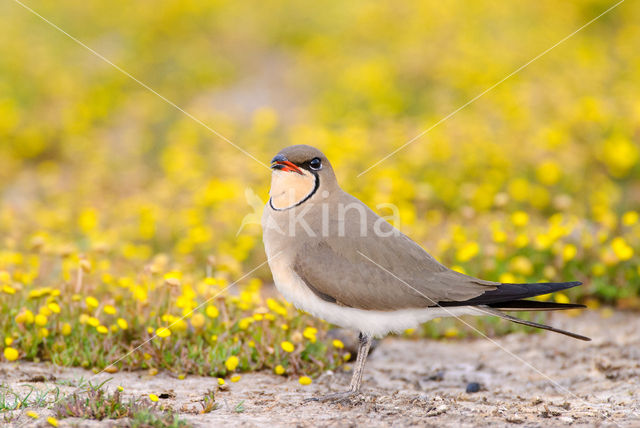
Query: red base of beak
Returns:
{"type": "Point", "coordinates": [288, 166]}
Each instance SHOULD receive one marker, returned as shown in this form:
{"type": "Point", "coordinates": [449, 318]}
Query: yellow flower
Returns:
{"type": "Point", "coordinates": [44, 310]}
{"type": "Point", "coordinates": [507, 278]}
{"type": "Point", "coordinates": [287, 346]}
{"type": "Point", "coordinates": [92, 302]}
{"type": "Point", "coordinates": [66, 329]}
{"type": "Point", "coordinates": [43, 332]}
{"type": "Point", "coordinates": [25, 317]}
{"type": "Point", "coordinates": [179, 325]}
{"type": "Point", "coordinates": [561, 298]}
{"type": "Point", "coordinates": [451, 332]}
{"type": "Point", "coordinates": [522, 240]}
{"type": "Point", "coordinates": [122, 323]}
{"type": "Point", "coordinates": [212, 311]}
{"type": "Point", "coordinates": [153, 397]}
{"type": "Point", "coordinates": [41, 320]}
{"type": "Point", "coordinates": [244, 323]}
{"type": "Point", "coordinates": [458, 268]}
{"type": "Point", "coordinates": [214, 337]}
{"type": "Point", "coordinates": [549, 172]}
{"type": "Point", "coordinates": [543, 241]}
{"type": "Point", "coordinates": [120, 388]}
{"type": "Point", "coordinates": [102, 329]}
{"type": "Point", "coordinates": [93, 321]}
{"type": "Point", "coordinates": [279, 370]}
{"type": "Point", "coordinates": [231, 363]}
{"type": "Point", "coordinates": [519, 189]}
{"type": "Point", "coordinates": [8, 341]}
{"type": "Point", "coordinates": [198, 320]}
{"type": "Point", "coordinates": [276, 307]}
{"type": "Point", "coordinates": [337, 344]}
{"type": "Point", "coordinates": [519, 218]}
{"type": "Point", "coordinates": [235, 378]}
{"type": "Point", "coordinates": [109, 309]}
{"type": "Point", "coordinates": [305, 380]}
{"type": "Point", "coordinates": [163, 332]}
{"type": "Point", "coordinates": [619, 154]}
{"type": "Point", "coordinates": [630, 218]}
{"type": "Point", "coordinates": [39, 292]}
{"type": "Point", "coordinates": [569, 252]}
{"type": "Point", "coordinates": [621, 249]}
{"type": "Point", "coordinates": [52, 421]}
{"type": "Point", "coordinates": [310, 333]}
{"type": "Point", "coordinates": [467, 251]}
{"type": "Point", "coordinates": [220, 381]}
{"type": "Point", "coordinates": [11, 354]}
{"type": "Point", "coordinates": [32, 414]}
{"type": "Point", "coordinates": [173, 278]}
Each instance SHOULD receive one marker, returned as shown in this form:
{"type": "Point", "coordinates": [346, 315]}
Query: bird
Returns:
{"type": "Point", "coordinates": [333, 257]}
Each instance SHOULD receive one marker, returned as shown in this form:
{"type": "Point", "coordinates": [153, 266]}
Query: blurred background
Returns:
{"type": "Point", "coordinates": [537, 180]}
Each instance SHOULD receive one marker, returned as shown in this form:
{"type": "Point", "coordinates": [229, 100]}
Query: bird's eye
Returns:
{"type": "Point", "coordinates": [315, 164]}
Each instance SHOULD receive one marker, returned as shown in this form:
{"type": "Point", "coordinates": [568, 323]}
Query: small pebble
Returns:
{"type": "Point", "coordinates": [438, 410]}
{"type": "Point", "coordinates": [515, 419]}
{"type": "Point", "coordinates": [473, 387]}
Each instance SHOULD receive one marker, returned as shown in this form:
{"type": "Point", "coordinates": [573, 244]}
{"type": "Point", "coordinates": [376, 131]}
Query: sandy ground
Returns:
{"type": "Point", "coordinates": [553, 381]}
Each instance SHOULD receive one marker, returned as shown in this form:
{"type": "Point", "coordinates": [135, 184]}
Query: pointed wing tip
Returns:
{"type": "Point", "coordinates": [579, 336]}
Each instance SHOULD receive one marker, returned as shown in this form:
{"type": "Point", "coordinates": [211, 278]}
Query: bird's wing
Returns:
{"type": "Point", "coordinates": [380, 272]}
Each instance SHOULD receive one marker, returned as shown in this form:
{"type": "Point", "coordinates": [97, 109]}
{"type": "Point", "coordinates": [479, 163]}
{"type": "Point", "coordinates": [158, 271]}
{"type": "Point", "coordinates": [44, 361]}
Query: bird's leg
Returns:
{"type": "Point", "coordinates": [364, 343]}
{"type": "Point", "coordinates": [363, 351]}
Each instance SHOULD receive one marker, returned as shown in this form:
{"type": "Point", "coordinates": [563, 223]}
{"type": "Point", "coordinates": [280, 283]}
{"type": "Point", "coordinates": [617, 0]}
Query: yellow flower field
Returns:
{"type": "Point", "coordinates": [129, 235]}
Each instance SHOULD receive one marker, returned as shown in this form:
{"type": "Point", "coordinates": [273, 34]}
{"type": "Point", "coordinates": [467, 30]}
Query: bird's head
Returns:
{"type": "Point", "coordinates": [298, 173]}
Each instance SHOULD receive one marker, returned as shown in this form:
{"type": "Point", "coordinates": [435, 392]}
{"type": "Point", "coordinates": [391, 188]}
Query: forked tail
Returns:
{"type": "Point", "coordinates": [508, 297]}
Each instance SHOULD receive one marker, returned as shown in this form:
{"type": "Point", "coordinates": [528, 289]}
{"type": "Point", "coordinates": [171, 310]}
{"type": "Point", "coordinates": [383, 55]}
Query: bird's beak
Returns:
{"type": "Point", "coordinates": [281, 163]}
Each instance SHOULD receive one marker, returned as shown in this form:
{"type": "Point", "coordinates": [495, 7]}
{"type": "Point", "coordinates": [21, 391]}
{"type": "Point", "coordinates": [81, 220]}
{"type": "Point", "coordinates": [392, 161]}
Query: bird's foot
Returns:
{"type": "Point", "coordinates": [336, 397]}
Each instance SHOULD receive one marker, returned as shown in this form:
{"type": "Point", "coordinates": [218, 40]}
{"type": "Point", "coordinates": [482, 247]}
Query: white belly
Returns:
{"type": "Point", "coordinates": [376, 323]}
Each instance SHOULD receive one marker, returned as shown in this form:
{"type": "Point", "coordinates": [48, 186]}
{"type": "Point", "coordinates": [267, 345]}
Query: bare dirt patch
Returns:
{"type": "Point", "coordinates": [409, 382]}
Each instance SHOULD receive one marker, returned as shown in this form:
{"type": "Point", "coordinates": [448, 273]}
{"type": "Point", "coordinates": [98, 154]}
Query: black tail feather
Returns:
{"type": "Point", "coordinates": [491, 311]}
{"type": "Point", "coordinates": [534, 305]}
{"type": "Point", "coordinates": [508, 292]}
